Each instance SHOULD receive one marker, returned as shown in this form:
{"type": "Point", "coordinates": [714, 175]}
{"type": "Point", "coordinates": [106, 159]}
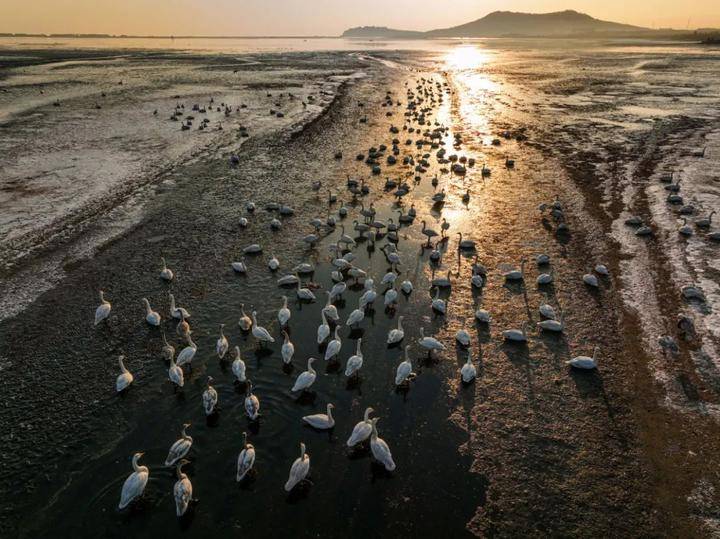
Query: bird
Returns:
{"type": "Point", "coordinates": [287, 280]}
{"type": "Point", "coordinates": [175, 374]}
{"type": "Point", "coordinates": [585, 362]}
{"type": "Point", "coordinates": [482, 316]}
{"type": "Point", "coordinates": [329, 310]}
{"type": "Point", "coordinates": [183, 328]}
{"type": "Point", "coordinates": [465, 245]}
{"type": "Point", "coordinates": [516, 335]}
{"type": "Point", "coordinates": [304, 294]}
{"type": "Point", "coordinates": [321, 421]}
{"type": "Point", "coordinates": [601, 269]}
{"type": "Point", "coordinates": [168, 350]}
{"type": "Point", "coordinates": [245, 460]}
{"type": "Point", "coordinates": [468, 372]}
{"type": "Point", "coordinates": [591, 280]}
{"type": "Point", "coordinates": [389, 278]}
{"type": "Point", "coordinates": [182, 491]}
{"type": "Point", "coordinates": [299, 469]}
{"type": "Point", "coordinates": [355, 362]}
{"type": "Point", "coordinates": [396, 335]}
{"type": "Point", "coordinates": [463, 337]}
{"type": "Point", "coordinates": [429, 343]}
{"type": "Point", "coordinates": [356, 316]}
{"type": "Point", "coordinates": [551, 325]}
{"type": "Point", "coordinates": [261, 334]}
{"type": "Point", "coordinates": [252, 403]}
{"type": "Point", "coordinates": [239, 267]}
{"type": "Point", "coordinates": [134, 485]}
{"type": "Point", "coordinates": [515, 275]}
{"type": "Point", "coordinates": [187, 354]}
{"type": "Point", "coordinates": [252, 249]}
{"type": "Point", "coordinates": [180, 448]}
{"type": "Point", "coordinates": [287, 350]}
{"type": "Point", "coordinates": [404, 369]}
{"type": "Point", "coordinates": [333, 347]}
{"type": "Point", "coordinates": [428, 232]}
{"type": "Point", "coordinates": [166, 273]}
{"type": "Point", "coordinates": [306, 378]}
{"type": "Point", "coordinates": [245, 321]}
{"type": "Point", "coordinates": [362, 430]}
{"type": "Point", "coordinates": [442, 282]}
{"type": "Point", "coordinates": [379, 447]}
{"type": "Point", "coordinates": [151, 317]}
{"type": "Point", "coordinates": [406, 286]}
{"type": "Point", "coordinates": [477, 281]}
{"type": "Point", "coordinates": [391, 295]}
{"type": "Point", "coordinates": [103, 310]}
{"type": "Point", "coordinates": [209, 397]}
{"type": "Point", "coordinates": [338, 290]}
{"type": "Point", "coordinates": [547, 311]}
{"type": "Point", "coordinates": [221, 345]}
{"type": "Point", "coordinates": [177, 312]}
{"type": "Point", "coordinates": [323, 331]}
{"type": "Point", "coordinates": [125, 378]}
{"type": "Point", "coordinates": [273, 263]}
{"type": "Point", "coordinates": [542, 259]}
{"type": "Point", "coordinates": [284, 313]}
{"type": "Point", "coordinates": [438, 304]}
{"type": "Point", "coordinates": [238, 366]}
{"type": "Point", "coordinates": [368, 297]}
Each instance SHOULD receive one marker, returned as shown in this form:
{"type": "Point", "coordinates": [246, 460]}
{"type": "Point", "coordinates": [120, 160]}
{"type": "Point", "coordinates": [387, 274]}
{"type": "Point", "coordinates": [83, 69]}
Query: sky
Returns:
{"type": "Point", "coordinates": [319, 17]}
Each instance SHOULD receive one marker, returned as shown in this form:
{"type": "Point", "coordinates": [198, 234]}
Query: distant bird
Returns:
{"type": "Point", "coordinates": [182, 491]}
{"type": "Point", "coordinates": [396, 335]}
{"type": "Point", "coordinates": [306, 378]}
{"type": "Point", "coordinates": [134, 485]}
{"type": "Point", "coordinates": [252, 403]}
{"type": "Point", "coordinates": [103, 310]}
{"type": "Point", "coordinates": [321, 421]}
{"type": "Point", "coordinates": [379, 448]}
{"type": "Point", "coordinates": [288, 349]}
{"type": "Point", "coordinates": [404, 370]}
{"type": "Point", "coordinates": [209, 398]}
{"type": "Point", "coordinates": [246, 459]}
{"type": "Point", "coordinates": [151, 317]}
{"type": "Point", "coordinates": [125, 378]}
{"type": "Point", "coordinates": [261, 334]}
{"type": "Point", "coordinates": [299, 469]}
{"type": "Point", "coordinates": [221, 346]}
{"type": "Point", "coordinates": [355, 362]}
{"type": "Point", "coordinates": [362, 429]}
{"type": "Point", "coordinates": [180, 448]}
{"type": "Point", "coordinates": [177, 312]}
{"type": "Point", "coordinates": [585, 362]}
{"type": "Point", "coordinates": [166, 273]}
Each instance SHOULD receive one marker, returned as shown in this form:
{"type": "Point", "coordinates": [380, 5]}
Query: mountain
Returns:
{"type": "Point", "coordinates": [509, 23]}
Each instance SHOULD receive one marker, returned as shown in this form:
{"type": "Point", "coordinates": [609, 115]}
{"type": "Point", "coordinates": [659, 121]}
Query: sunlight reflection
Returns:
{"type": "Point", "coordinates": [465, 57]}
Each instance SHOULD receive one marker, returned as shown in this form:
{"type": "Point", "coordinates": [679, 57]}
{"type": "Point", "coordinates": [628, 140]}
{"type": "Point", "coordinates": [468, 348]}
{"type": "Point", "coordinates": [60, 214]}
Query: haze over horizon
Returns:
{"type": "Point", "coordinates": [325, 17]}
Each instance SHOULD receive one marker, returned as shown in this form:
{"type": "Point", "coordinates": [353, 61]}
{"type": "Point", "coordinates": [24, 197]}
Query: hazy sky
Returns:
{"type": "Point", "coordinates": [318, 17]}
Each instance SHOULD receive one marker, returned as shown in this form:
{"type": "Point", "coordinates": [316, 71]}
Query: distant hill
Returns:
{"type": "Point", "coordinates": [509, 23]}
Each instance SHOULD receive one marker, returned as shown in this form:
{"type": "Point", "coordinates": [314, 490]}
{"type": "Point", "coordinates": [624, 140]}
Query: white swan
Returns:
{"type": "Point", "coordinates": [356, 316]}
{"type": "Point", "coordinates": [338, 290]}
{"type": "Point", "coordinates": [482, 316]}
{"type": "Point", "coordinates": [389, 278]}
{"type": "Point", "coordinates": [585, 362]}
{"type": "Point", "coordinates": [284, 313]}
{"type": "Point", "coordinates": [544, 278]}
{"type": "Point", "coordinates": [287, 350]}
{"type": "Point", "coordinates": [321, 421]}
{"type": "Point", "coordinates": [406, 286]}
{"type": "Point", "coordinates": [547, 311]}
{"type": "Point", "coordinates": [438, 304]}
{"type": "Point", "coordinates": [404, 369]}
{"type": "Point", "coordinates": [175, 374]}
{"type": "Point", "coordinates": [516, 335]}
{"type": "Point", "coordinates": [303, 268]}
{"type": "Point", "coordinates": [261, 334]}
{"type": "Point", "coordinates": [429, 343]}
{"type": "Point", "coordinates": [182, 491]}
{"type": "Point", "coordinates": [542, 259]}
{"type": "Point", "coordinates": [355, 362]}
{"type": "Point", "coordinates": [397, 334]}
{"type": "Point", "coordinates": [245, 322]}
{"type": "Point", "coordinates": [287, 280]}
{"type": "Point", "coordinates": [463, 337]}
{"type": "Point", "coordinates": [362, 429]}
{"type": "Point", "coordinates": [273, 263]}
{"type": "Point", "coordinates": [551, 325]}
{"type": "Point", "coordinates": [252, 403]}
{"type": "Point", "coordinates": [468, 372]}
{"type": "Point", "coordinates": [166, 273]}
{"type": "Point", "coordinates": [252, 249]}
{"type": "Point", "coordinates": [180, 448]}
{"type": "Point", "coordinates": [134, 485]}
{"type": "Point", "coordinates": [304, 294]}
{"type": "Point", "coordinates": [103, 310]}
{"type": "Point", "coordinates": [245, 460]}
{"type": "Point", "coordinates": [221, 345]}
{"type": "Point", "coordinates": [391, 296]}
{"type": "Point", "coordinates": [125, 378]}
{"type": "Point", "coordinates": [368, 297]}
{"type": "Point", "coordinates": [333, 347]}
{"type": "Point", "coordinates": [239, 267]}
{"type": "Point", "coordinates": [323, 331]}
{"type": "Point", "coordinates": [298, 470]}
{"type": "Point", "coordinates": [168, 350]}
{"type": "Point", "coordinates": [516, 275]}
{"type": "Point", "coordinates": [187, 354]}
{"type": "Point", "coordinates": [177, 312]}
{"type": "Point", "coordinates": [305, 379]}
{"type": "Point", "coordinates": [209, 398]}
{"type": "Point", "coordinates": [379, 448]}
{"type": "Point", "coordinates": [330, 311]}
{"type": "Point", "coordinates": [238, 366]}
{"type": "Point", "coordinates": [601, 269]}
{"type": "Point", "coordinates": [151, 317]}
{"type": "Point", "coordinates": [591, 280]}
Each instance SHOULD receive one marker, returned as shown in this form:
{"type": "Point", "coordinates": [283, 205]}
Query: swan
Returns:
{"type": "Point", "coordinates": [391, 296]}
{"type": "Point", "coordinates": [591, 280]}
{"type": "Point", "coordinates": [438, 305]}
{"type": "Point", "coordinates": [516, 335]}
{"type": "Point", "coordinates": [362, 429]}
{"type": "Point", "coordinates": [443, 282]}
{"type": "Point", "coordinates": [134, 485]}
{"type": "Point", "coordinates": [298, 470]}
{"type": "Point", "coordinates": [338, 290]}
{"type": "Point", "coordinates": [180, 448]}
{"type": "Point", "coordinates": [551, 325]}
{"type": "Point", "coordinates": [544, 278]}
{"type": "Point", "coordinates": [705, 222]}
{"type": "Point", "coordinates": [344, 238]}
{"type": "Point", "coordinates": [175, 374]}
{"type": "Point", "coordinates": [468, 372]}
{"type": "Point", "coordinates": [284, 313]}
{"type": "Point", "coordinates": [333, 347]}
{"type": "Point", "coordinates": [406, 286]}
{"type": "Point", "coordinates": [239, 267]}
{"type": "Point", "coordinates": [342, 211]}
{"type": "Point", "coordinates": [389, 278]}
{"type": "Point", "coordinates": [356, 316]}
{"type": "Point", "coordinates": [166, 273]}
{"type": "Point", "coordinates": [369, 284]}
{"type": "Point", "coordinates": [209, 397]}
{"type": "Point", "coordinates": [252, 249]}
{"type": "Point", "coordinates": [306, 378]}
{"type": "Point", "coordinates": [463, 337]}
{"type": "Point", "coordinates": [287, 350]}
{"type": "Point", "coordinates": [183, 328]}
{"type": "Point", "coordinates": [547, 311]}
{"type": "Point", "coordinates": [250, 206]}
{"type": "Point", "coordinates": [478, 268]}
{"type": "Point", "coordinates": [245, 322]}
{"type": "Point", "coordinates": [439, 197]}
{"type": "Point", "coordinates": [260, 333]}
{"type": "Point", "coordinates": [601, 269]}
{"type": "Point", "coordinates": [321, 421]}
{"type": "Point", "coordinates": [238, 366]}
{"type": "Point", "coordinates": [177, 312]}
{"type": "Point", "coordinates": [182, 491]}
{"type": "Point", "coordinates": [482, 316]}
{"type": "Point", "coordinates": [252, 403]}
{"type": "Point", "coordinates": [246, 459]}
{"type": "Point", "coordinates": [323, 331]}
{"type": "Point", "coordinates": [275, 224]}
{"type": "Point", "coordinates": [379, 447]}
{"type": "Point", "coordinates": [303, 268]}
{"type": "Point", "coordinates": [330, 311]}
{"type": "Point", "coordinates": [429, 343]}
{"type": "Point", "coordinates": [585, 362]}
{"type": "Point", "coordinates": [243, 222]}
{"type": "Point", "coordinates": [444, 227]}
{"type": "Point", "coordinates": [465, 245]}
{"type": "Point", "coordinates": [542, 260]}
{"type": "Point", "coordinates": [516, 275]}
{"type": "Point", "coordinates": [368, 297]}
{"type": "Point", "coordinates": [356, 273]}
{"type": "Point", "coordinates": [103, 310]}
{"type": "Point", "coordinates": [151, 317]}
{"type": "Point", "coordinates": [404, 369]}
{"type": "Point", "coordinates": [644, 231]}
{"type": "Point", "coordinates": [477, 281]}
{"type": "Point", "coordinates": [287, 280]}
{"type": "Point", "coordinates": [412, 212]}
{"type": "Point", "coordinates": [336, 276]}
{"type": "Point", "coordinates": [304, 294]}
{"type": "Point", "coordinates": [273, 263]}
{"type": "Point", "coordinates": [396, 335]}
{"type": "Point", "coordinates": [221, 345]}
{"type": "Point", "coordinates": [168, 350]}
{"type": "Point", "coordinates": [187, 354]}
{"type": "Point", "coordinates": [355, 362]}
{"type": "Point", "coordinates": [125, 378]}
{"type": "Point", "coordinates": [428, 232]}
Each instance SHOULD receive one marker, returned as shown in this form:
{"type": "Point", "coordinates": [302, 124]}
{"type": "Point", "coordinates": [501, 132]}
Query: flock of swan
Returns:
{"type": "Point", "coordinates": [368, 227]}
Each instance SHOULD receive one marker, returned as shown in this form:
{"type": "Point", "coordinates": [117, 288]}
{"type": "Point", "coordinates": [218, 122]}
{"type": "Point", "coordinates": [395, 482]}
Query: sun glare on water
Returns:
{"type": "Point", "coordinates": [465, 57]}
